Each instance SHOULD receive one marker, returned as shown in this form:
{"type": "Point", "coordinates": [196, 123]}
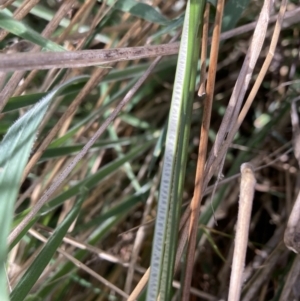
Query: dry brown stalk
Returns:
{"type": "Point", "coordinates": [257, 40]}
{"type": "Point", "coordinates": [235, 125]}
{"type": "Point", "coordinates": [198, 190]}
{"type": "Point", "coordinates": [292, 281]}
{"type": "Point", "coordinates": [57, 182]}
{"type": "Point", "coordinates": [83, 58]}
{"type": "Point", "coordinates": [247, 189]}
{"type": "Point", "coordinates": [13, 82]}
{"type": "Point", "coordinates": [242, 83]}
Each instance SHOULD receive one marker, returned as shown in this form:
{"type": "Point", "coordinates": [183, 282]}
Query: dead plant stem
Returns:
{"type": "Point", "coordinates": [196, 201]}
{"type": "Point", "coordinates": [247, 189]}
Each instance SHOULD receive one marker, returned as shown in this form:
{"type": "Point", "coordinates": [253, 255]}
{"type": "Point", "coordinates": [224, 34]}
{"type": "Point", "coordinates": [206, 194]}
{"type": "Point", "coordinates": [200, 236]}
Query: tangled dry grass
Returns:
{"type": "Point", "coordinates": [107, 249]}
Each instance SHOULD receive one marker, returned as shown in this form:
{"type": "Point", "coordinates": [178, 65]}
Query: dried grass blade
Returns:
{"type": "Point", "coordinates": [215, 163]}
{"type": "Point", "coordinates": [247, 189]}
{"type": "Point", "coordinates": [291, 282]}
{"type": "Point", "coordinates": [58, 180]}
{"type": "Point", "coordinates": [10, 87]}
{"type": "Point", "coordinates": [242, 82]}
{"type": "Point", "coordinates": [196, 201]}
{"type": "Point", "coordinates": [83, 58]}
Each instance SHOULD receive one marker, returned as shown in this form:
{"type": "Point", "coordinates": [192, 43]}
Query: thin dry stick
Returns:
{"type": "Point", "coordinates": [247, 189]}
{"type": "Point", "coordinates": [196, 201]}
{"type": "Point", "coordinates": [82, 266]}
{"type": "Point", "coordinates": [21, 88]}
{"type": "Point", "coordinates": [95, 78]}
{"type": "Point", "coordinates": [140, 286]}
{"type": "Point", "coordinates": [242, 82]}
{"type": "Point", "coordinates": [263, 275]}
{"type": "Point", "coordinates": [83, 58]}
{"type": "Point", "coordinates": [11, 86]}
{"type": "Point", "coordinates": [68, 169]}
{"type": "Point", "coordinates": [13, 82]}
{"type": "Point", "coordinates": [292, 281]}
{"type": "Point", "coordinates": [245, 28]}
{"type": "Point", "coordinates": [289, 18]}
{"type": "Point", "coordinates": [252, 94]}
{"type": "Point", "coordinates": [292, 232]}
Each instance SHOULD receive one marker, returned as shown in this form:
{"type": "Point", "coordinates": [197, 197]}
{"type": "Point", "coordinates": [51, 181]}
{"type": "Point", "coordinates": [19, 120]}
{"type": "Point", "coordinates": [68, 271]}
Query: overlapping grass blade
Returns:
{"type": "Point", "coordinates": [166, 229]}
{"type": "Point", "coordinates": [94, 179]}
{"type": "Point", "coordinates": [87, 183]}
{"type": "Point", "coordinates": [41, 261]}
{"type": "Point", "coordinates": [141, 10]}
{"type": "Point", "coordinates": [15, 149]}
{"type": "Point", "coordinates": [104, 144]}
{"type": "Point", "coordinates": [104, 224]}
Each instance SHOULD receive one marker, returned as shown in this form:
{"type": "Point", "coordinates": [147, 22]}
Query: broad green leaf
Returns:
{"type": "Point", "coordinates": [232, 13]}
{"type": "Point", "coordinates": [15, 149]}
{"type": "Point", "coordinates": [22, 30]}
{"type": "Point", "coordinates": [36, 268]}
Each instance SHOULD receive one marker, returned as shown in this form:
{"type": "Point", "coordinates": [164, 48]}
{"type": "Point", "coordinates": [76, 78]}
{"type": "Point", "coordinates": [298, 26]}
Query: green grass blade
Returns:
{"type": "Point", "coordinates": [166, 228]}
{"type": "Point", "coordinates": [28, 280]}
{"type": "Point", "coordinates": [135, 71]}
{"type": "Point", "coordinates": [102, 144]}
{"type": "Point", "coordinates": [87, 183]}
{"type": "Point", "coordinates": [15, 149]}
{"type": "Point", "coordinates": [140, 10]}
{"type": "Point", "coordinates": [232, 13]}
{"type": "Point", "coordinates": [21, 30]}
{"type": "Point", "coordinates": [100, 175]}
{"type": "Point", "coordinates": [193, 49]}
{"type": "Point", "coordinates": [139, 196]}
{"type": "Point", "coordinates": [104, 223]}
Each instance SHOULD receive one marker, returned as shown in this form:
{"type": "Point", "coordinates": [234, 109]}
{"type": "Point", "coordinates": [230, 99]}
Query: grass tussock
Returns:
{"type": "Point", "coordinates": [116, 163]}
